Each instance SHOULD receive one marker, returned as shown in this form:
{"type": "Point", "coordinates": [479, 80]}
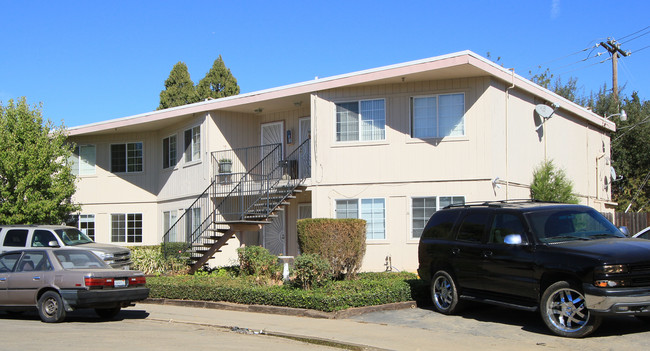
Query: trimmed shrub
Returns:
{"type": "Point", "coordinates": [151, 260]}
{"type": "Point", "coordinates": [258, 262]}
{"type": "Point", "coordinates": [374, 289]}
{"type": "Point", "coordinates": [311, 270]}
{"type": "Point", "coordinates": [342, 242]}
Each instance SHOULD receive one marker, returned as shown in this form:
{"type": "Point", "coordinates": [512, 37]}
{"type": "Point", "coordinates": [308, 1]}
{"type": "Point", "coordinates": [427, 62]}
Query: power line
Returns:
{"type": "Point", "coordinates": [639, 31]}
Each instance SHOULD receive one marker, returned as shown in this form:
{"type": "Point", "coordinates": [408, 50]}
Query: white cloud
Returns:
{"type": "Point", "coordinates": [555, 9]}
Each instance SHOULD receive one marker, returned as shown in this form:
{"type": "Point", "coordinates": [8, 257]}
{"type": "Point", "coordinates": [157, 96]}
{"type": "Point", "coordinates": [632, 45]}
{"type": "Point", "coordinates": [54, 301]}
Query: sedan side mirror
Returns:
{"type": "Point", "coordinates": [513, 239]}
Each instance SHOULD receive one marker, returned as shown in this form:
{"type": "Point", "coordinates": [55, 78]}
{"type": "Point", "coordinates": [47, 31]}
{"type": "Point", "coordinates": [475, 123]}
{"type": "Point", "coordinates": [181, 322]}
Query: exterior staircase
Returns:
{"type": "Point", "coordinates": [248, 187]}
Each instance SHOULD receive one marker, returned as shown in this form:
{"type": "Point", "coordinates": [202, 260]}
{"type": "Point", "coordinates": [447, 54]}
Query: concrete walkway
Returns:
{"type": "Point", "coordinates": [346, 332]}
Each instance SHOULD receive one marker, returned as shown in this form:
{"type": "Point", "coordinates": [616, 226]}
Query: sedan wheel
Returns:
{"type": "Point", "coordinates": [444, 293]}
{"type": "Point", "coordinates": [565, 313]}
{"type": "Point", "coordinates": [50, 307]}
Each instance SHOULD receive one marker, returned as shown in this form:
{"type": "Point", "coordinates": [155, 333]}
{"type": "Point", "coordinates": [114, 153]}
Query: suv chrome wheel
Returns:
{"type": "Point", "coordinates": [444, 293]}
{"type": "Point", "coordinates": [564, 311]}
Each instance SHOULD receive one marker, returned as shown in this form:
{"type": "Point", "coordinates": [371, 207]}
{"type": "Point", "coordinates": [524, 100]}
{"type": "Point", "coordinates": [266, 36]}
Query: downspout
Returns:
{"type": "Point", "coordinates": [507, 115]}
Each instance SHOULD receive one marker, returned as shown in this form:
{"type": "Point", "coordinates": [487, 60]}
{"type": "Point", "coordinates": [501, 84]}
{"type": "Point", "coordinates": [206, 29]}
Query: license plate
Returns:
{"type": "Point", "coordinates": [119, 283]}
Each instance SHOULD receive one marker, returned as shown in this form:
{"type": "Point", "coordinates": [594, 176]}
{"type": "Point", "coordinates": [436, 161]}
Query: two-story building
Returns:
{"type": "Point", "coordinates": [390, 145]}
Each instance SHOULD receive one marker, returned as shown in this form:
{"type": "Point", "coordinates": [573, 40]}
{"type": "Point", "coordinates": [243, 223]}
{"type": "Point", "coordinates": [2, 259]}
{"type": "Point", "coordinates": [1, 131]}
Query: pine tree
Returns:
{"type": "Point", "coordinates": [218, 82]}
{"type": "Point", "coordinates": [36, 183]}
{"type": "Point", "coordinates": [551, 184]}
{"type": "Point", "coordinates": [179, 88]}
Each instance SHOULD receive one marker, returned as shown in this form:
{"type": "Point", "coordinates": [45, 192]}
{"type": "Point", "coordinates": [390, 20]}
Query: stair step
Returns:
{"type": "Point", "coordinates": [220, 230]}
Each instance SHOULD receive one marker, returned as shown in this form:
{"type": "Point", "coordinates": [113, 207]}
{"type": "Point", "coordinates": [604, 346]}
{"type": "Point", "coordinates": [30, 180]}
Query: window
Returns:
{"type": "Point", "coordinates": [505, 224]}
{"type": "Point", "coordinates": [361, 120]}
{"type": "Point", "coordinates": [193, 144]}
{"type": "Point", "coordinates": [193, 221]}
{"type": "Point", "coordinates": [126, 158]}
{"type": "Point", "coordinates": [169, 151]}
{"type": "Point", "coordinates": [16, 238]}
{"type": "Point", "coordinates": [87, 225]}
{"type": "Point", "coordinates": [473, 227]}
{"type": "Point", "coordinates": [169, 218]}
{"type": "Point", "coordinates": [438, 116]}
{"type": "Point", "coordinates": [126, 228]}
{"type": "Point", "coordinates": [42, 238]}
{"type": "Point", "coordinates": [82, 160]}
{"type": "Point", "coordinates": [422, 208]}
{"type": "Point", "coordinates": [371, 210]}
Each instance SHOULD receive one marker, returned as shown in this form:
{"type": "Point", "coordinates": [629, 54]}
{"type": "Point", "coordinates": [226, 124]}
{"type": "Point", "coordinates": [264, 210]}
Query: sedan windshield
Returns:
{"type": "Point", "coordinates": [73, 236]}
{"type": "Point", "coordinates": [571, 224]}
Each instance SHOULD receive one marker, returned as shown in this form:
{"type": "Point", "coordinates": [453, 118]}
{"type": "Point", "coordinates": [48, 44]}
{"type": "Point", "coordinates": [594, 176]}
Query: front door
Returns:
{"type": "Point", "coordinates": [273, 133]}
{"type": "Point", "coordinates": [275, 234]}
{"type": "Point", "coordinates": [305, 152]}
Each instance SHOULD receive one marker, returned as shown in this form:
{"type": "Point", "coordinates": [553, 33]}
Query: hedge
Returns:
{"type": "Point", "coordinates": [368, 290]}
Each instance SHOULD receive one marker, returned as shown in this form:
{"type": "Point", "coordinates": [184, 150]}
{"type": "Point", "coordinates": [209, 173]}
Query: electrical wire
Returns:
{"type": "Point", "coordinates": [639, 31]}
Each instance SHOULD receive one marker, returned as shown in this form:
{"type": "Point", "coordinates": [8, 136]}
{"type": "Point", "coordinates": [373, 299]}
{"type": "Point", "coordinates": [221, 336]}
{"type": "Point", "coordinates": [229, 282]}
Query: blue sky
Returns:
{"type": "Point", "coordinates": [89, 61]}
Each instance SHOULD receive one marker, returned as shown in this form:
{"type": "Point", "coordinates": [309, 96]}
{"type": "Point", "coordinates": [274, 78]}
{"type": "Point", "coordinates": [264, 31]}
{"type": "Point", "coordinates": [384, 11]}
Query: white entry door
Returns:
{"type": "Point", "coordinates": [273, 133]}
{"type": "Point", "coordinates": [275, 235]}
{"type": "Point", "coordinates": [305, 152]}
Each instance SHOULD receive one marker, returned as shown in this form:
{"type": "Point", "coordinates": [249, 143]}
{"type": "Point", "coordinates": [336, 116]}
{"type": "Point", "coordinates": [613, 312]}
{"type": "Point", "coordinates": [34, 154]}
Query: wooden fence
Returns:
{"type": "Point", "coordinates": [634, 221]}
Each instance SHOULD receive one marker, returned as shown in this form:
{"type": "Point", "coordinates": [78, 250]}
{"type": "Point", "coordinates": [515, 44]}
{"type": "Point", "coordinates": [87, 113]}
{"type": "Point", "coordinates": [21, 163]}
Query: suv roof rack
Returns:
{"type": "Point", "coordinates": [499, 203]}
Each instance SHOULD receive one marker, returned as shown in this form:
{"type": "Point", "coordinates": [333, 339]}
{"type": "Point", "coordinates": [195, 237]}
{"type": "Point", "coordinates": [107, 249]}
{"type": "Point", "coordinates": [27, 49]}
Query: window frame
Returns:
{"type": "Point", "coordinates": [412, 127]}
{"type": "Point", "coordinates": [438, 208]}
{"type": "Point", "coordinates": [126, 157]}
{"type": "Point", "coordinates": [129, 230]}
{"type": "Point", "coordinates": [189, 156]}
{"type": "Point", "coordinates": [360, 122]}
{"type": "Point", "coordinates": [361, 213]}
{"type": "Point", "coordinates": [169, 153]}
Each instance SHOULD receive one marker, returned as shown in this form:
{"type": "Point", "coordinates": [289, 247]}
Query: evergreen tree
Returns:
{"type": "Point", "coordinates": [551, 184]}
{"type": "Point", "coordinates": [179, 88]}
{"type": "Point", "coordinates": [218, 82]}
{"type": "Point", "coordinates": [36, 183]}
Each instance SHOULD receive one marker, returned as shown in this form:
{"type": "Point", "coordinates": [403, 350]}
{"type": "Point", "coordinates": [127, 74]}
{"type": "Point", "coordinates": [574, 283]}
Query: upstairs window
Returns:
{"type": "Point", "coordinates": [82, 160]}
{"type": "Point", "coordinates": [127, 158]}
{"type": "Point", "coordinates": [169, 151]}
{"type": "Point", "coordinates": [193, 144]}
{"type": "Point", "coordinates": [438, 116]}
{"type": "Point", "coordinates": [361, 120]}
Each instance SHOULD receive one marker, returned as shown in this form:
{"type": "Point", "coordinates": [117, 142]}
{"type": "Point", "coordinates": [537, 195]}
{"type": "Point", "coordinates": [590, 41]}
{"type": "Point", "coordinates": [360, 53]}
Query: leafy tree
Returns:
{"type": "Point", "coordinates": [179, 88]}
{"type": "Point", "coordinates": [551, 184]}
{"type": "Point", "coordinates": [218, 82]}
{"type": "Point", "coordinates": [36, 183]}
{"type": "Point", "coordinates": [630, 150]}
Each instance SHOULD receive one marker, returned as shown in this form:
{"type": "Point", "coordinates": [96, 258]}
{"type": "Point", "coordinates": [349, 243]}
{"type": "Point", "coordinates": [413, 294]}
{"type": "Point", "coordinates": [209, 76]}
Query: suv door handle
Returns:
{"type": "Point", "coordinates": [487, 254]}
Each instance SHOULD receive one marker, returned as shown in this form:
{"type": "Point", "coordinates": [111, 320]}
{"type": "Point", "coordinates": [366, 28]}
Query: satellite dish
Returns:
{"type": "Point", "coordinates": [545, 111]}
{"type": "Point", "coordinates": [612, 171]}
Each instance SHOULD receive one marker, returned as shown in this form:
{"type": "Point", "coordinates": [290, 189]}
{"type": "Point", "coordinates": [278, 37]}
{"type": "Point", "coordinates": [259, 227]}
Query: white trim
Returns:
{"type": "Point", "coordinates": [176, 161]}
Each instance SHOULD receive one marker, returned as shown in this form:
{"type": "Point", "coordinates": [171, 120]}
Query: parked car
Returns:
{"type": "Point", "coordinates": [60, 280]}
{"type": "Point", "coordinates": [643, 234]}
{"type": "Point", "coordinates": [566, 261]}
{"type": "Point", "coordinates": [15, 237]}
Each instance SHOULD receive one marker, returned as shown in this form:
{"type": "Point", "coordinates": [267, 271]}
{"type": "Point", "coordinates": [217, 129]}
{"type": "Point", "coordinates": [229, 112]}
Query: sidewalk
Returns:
{"type": "Point", "coordinates": [358, 335]}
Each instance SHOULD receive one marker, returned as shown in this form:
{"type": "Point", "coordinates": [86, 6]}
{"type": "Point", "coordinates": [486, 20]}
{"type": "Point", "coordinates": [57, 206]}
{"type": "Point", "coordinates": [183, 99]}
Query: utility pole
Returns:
{"type": "Point", "coordinates": [614, 49]}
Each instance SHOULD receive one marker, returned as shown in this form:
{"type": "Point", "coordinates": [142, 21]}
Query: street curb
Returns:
{"type": "Point", "coordinates": [287, 311]}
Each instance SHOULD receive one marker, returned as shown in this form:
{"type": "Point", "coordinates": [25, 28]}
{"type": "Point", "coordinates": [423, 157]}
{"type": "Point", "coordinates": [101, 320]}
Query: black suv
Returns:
{"type": "Point", "coordinates": [568, 261]}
